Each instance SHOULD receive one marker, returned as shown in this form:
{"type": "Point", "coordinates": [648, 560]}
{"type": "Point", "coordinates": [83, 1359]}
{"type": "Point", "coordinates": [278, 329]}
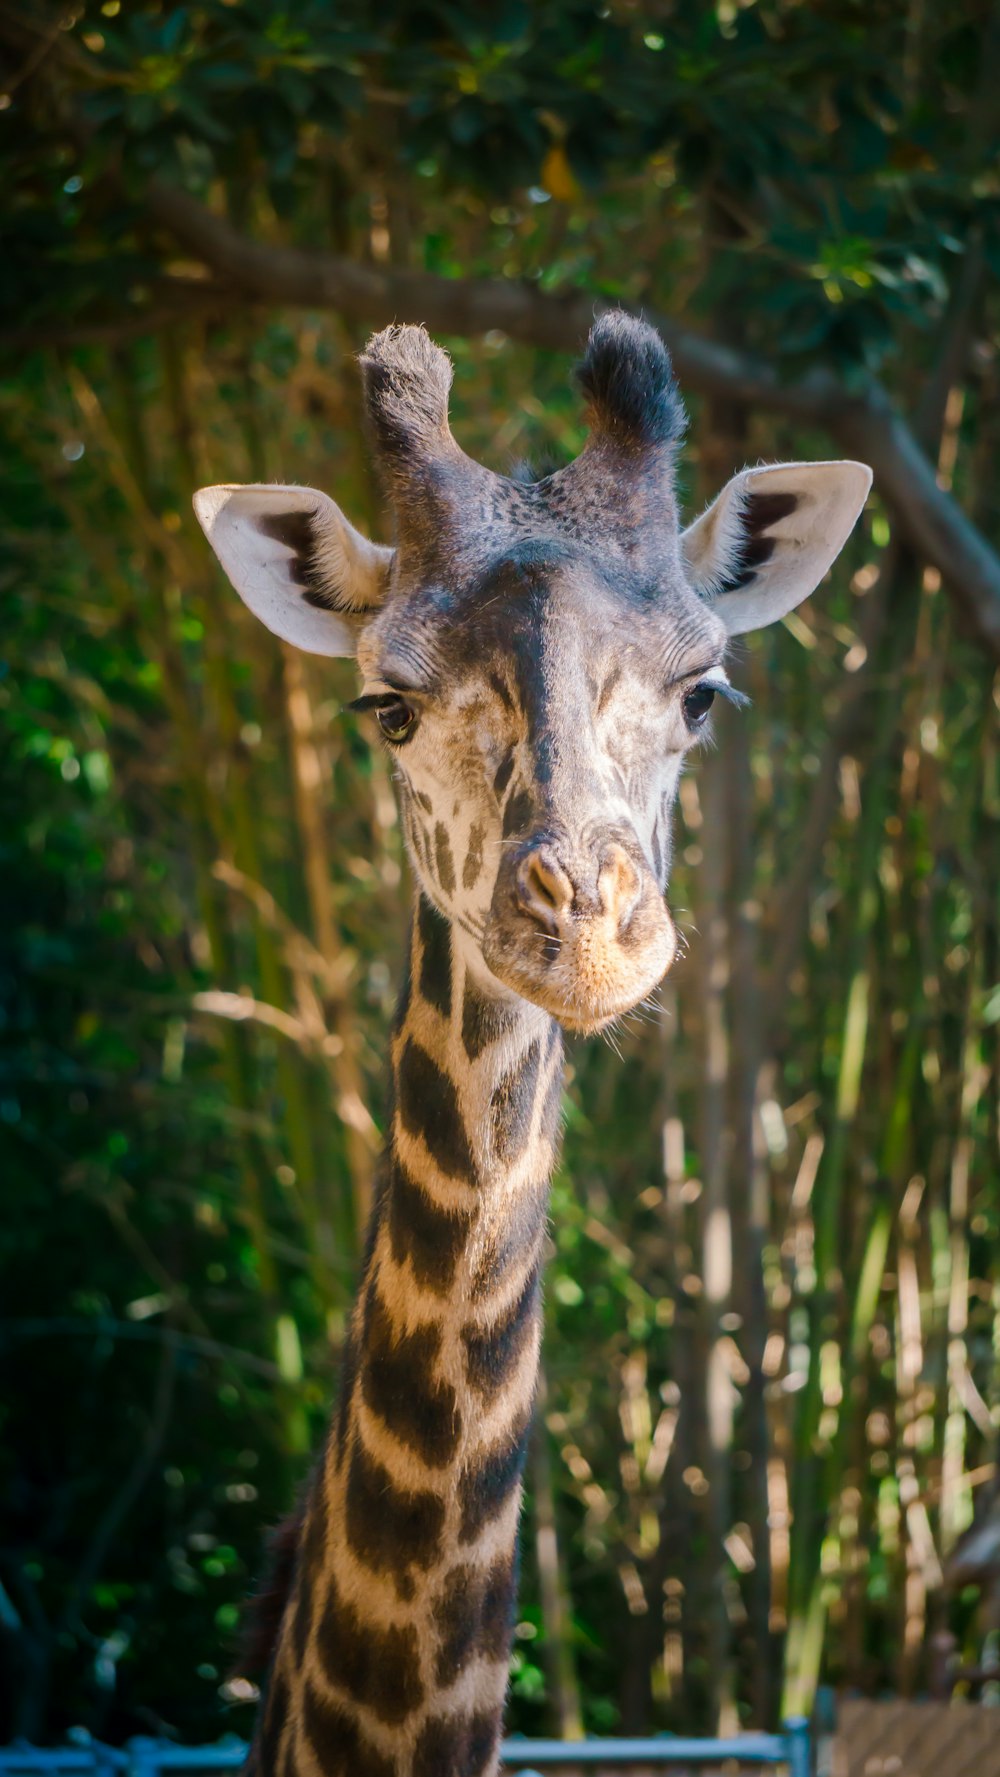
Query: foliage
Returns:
{"type": "Point", "coordinates": [772, 1314]}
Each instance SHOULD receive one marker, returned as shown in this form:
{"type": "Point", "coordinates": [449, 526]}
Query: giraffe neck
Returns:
{"type": "Point", "coordinates": [393, 1653]}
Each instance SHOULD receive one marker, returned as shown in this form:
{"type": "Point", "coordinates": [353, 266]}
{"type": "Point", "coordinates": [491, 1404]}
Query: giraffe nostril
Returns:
{"type": "Point", "coordinates": [619, 885]}
{"type": "Point", "coordinates": [543, 888]}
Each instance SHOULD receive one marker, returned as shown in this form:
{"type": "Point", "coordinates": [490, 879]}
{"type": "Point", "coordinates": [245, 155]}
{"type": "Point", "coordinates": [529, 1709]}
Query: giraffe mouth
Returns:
{"type": "Point", "coordinates": [586, 974]}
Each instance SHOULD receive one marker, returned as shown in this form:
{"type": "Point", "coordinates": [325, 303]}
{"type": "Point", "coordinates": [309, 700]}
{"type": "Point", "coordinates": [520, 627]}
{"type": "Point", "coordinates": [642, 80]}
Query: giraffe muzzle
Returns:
{"type": "Point", "coordinates": [585, 935]}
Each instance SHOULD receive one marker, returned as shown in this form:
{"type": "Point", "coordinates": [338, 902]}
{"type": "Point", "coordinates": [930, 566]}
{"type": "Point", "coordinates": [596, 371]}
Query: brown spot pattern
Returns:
{"type": "Point", "coordinates": [473, 1616]}
{"type": "Point", "coordinates": [339, 1746]}
{"type": "Point", "coordinates": [399, 1385]}
{"type": "Point", "coordinates": [445, 862]}
{"type": "Point", "coordinates": [493, 1353]}
{"type": "Point", "coordinates": [487, 1485]}
{"type": "Point", "coordinates": [431, 1238]}
{"type": "Point", "coordinates": [473, 865]}
{"type": "Point", "coordinates": [512, 1104]}
{"type": "Point", "coordinates": [377, 1667]}
{"type": "Point", "coordinates": [390, 1530]}
{"type": "Point", "coordinates": [456, 1745]}
{"type": "Point", "coordinates": [483, 1021]}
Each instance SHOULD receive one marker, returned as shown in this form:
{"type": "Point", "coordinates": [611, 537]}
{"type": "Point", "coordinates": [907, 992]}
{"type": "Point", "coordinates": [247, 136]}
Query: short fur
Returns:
{"type": "Point", "coordinates": [407, 379]}
{"type": "Point", "coordinates": [628, 380]}
{"type": "Point", "coordinates": [619, 491]}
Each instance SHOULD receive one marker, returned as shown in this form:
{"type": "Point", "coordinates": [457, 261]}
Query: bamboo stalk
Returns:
{"type": "Point", "coordinates": [361, 1138]}
{"type": "Point", "coordinates": [956, 1497]}
{"type": "Point", "coordinates": [557, 1611]}
{"type": "Point", "coordinates": [825, 1307]}
{"type": "Point", "coordinates": [719, 955]}
{"type": "Point", "coordinates": [237, 1063]}
{"type": "Point", "coordinates": [750, 1219]}
{"type": "Point", "coordinates": [244, 835]}
{"type": "Point", "coordinates": [715, 1302]}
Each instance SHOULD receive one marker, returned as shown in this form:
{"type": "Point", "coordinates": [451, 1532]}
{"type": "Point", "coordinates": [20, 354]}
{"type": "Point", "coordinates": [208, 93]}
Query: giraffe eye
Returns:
{"type": "Point", "coordinates": [697, 704]}
{"type": "Point", "coordinates": [396, 719]}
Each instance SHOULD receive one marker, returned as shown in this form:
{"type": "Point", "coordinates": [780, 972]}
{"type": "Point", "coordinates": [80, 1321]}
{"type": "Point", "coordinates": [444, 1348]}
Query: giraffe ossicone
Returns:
{"type": "Point", "coordinates": [540, 657]}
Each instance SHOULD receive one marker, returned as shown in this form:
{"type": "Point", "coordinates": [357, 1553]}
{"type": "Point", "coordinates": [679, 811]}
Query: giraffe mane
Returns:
{"type": "Point", "coordinates": [263, 1611]}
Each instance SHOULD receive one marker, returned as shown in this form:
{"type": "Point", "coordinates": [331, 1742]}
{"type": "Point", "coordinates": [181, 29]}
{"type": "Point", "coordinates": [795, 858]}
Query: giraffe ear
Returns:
{"type": "Point", "coordinates": [295, 560]}
{"type": "Point", "coordinates": [767, 540]}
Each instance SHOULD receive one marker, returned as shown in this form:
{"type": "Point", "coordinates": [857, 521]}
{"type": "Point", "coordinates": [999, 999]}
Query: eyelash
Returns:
{"type": "Point", "coordinates": [380, 702]}
{"type": "Point", "coordinates": [383, 705]}
{"type": "Point", "coordinates": [696, 710]}
{"type": "Point", "coordinates": [730, 693]}
{"type": "Point", "coordinates": [362, 705]}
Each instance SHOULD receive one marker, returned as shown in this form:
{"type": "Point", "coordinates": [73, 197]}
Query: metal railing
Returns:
{"type": "Point", "coordinates": [143, 1757]}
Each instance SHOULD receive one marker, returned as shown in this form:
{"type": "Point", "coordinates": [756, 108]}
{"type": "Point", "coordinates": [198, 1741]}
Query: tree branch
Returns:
{"type": "Point", "coordinates": [865, 424]}
{"type": "Point", "coordinates": [178, 300]}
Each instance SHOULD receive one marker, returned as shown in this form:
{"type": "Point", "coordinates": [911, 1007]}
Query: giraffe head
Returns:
{"type": "Point", "coordinates": [540, 656]}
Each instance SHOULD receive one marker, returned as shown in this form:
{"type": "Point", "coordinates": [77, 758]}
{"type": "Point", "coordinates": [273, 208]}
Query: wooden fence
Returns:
{"type": "Point", "coordinates": [905, 1739]}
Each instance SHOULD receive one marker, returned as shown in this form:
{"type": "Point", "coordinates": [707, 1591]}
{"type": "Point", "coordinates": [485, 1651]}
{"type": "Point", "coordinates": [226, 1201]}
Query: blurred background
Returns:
{"type": "Point", "coordinates": [765, 1450]}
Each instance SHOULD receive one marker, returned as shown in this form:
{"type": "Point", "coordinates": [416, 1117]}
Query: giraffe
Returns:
{"type": "Point", "coordinates": [539, 656]}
